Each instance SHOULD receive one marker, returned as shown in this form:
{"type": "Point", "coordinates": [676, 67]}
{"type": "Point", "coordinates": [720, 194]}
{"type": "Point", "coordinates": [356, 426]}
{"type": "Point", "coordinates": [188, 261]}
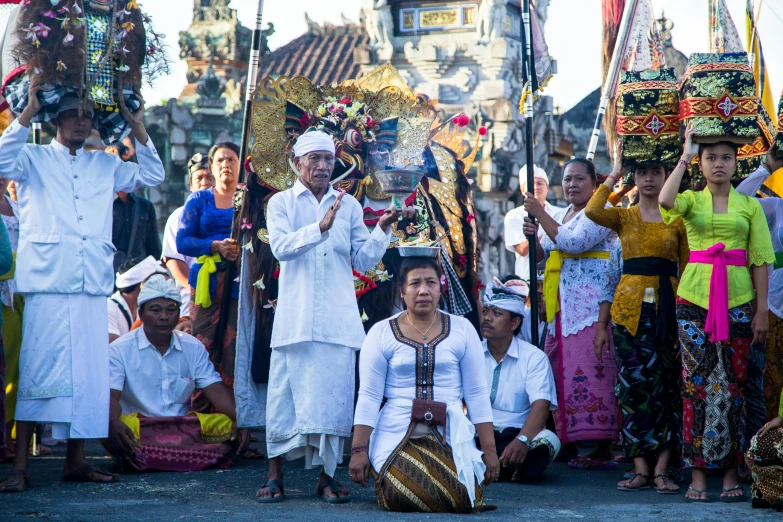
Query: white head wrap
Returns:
{"type": "Point", "coordinates": [139, 273]}
{"type": "Point", "coordinates": [313, 141]}
{"type": "Point", "coordinates": [71, 101]}
{"type": "Point", "coordinates": [538, 172]}
{"type": "Point", "coordinates": [509, 296]}
{"type": "Point", "coordinates": [158, 286]}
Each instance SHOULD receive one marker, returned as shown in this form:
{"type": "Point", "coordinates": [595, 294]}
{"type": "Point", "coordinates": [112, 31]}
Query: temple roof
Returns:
{"type": "Point", "coordinates": [324, 54]}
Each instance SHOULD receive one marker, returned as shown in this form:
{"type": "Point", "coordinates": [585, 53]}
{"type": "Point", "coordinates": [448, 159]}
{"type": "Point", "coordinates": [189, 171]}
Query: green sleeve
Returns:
{"type": "Point", "coordinates": [760, 250]}
{"type": "Point", "coordinates": [683, 204]}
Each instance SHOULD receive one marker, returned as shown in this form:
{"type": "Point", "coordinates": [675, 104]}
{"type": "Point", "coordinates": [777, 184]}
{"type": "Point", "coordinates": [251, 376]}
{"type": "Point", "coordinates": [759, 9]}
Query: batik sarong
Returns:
{"type": "Point", "coordinates": [713, 387]}
{"type": "Point", "coordinates": [175, 444]}
{"type": "Point", "coordinates": [647, 388]}
{"type": "Point", "coordinates": [765, 462]}
{"type": "Point", "coordinates": [755, 407]}
{"type": "Point", "coordinates": [204, 325]}
{"type": "Point", "coordinates": [587, 406]}
{"type": "Point", "coordinates": [420, 476]}
{"type": "Point", "coordinates": [773, 373]}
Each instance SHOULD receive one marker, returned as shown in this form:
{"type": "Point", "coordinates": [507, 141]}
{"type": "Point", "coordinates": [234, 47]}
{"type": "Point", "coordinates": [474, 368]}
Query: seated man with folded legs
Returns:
{"type": "Point", "coordinates": [521, 385]}
{"type": "Point", "coordinates": [154, 371]}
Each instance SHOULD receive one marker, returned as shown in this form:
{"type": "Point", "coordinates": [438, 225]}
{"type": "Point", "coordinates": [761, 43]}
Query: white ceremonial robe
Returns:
{"type": "Point", "coordinates": [317, 327]}
{"type": "Point", "coordinates": [65, 269]}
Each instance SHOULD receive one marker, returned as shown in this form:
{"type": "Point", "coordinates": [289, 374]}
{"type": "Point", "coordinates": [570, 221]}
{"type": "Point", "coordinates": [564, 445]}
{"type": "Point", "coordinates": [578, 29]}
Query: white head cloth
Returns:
{"type": "Point", "coordinates": [313, 141]}
{"type": "Point", "coordinates": [71, 101]}
{"type": "Point", "coordinates": [538, 172]}
{"type": "Point", "coordinates": [509, 296]}
{"type": "Point", "coordinates": [139, 273]}
{"type": "Point", "coordinates": [158, 286]}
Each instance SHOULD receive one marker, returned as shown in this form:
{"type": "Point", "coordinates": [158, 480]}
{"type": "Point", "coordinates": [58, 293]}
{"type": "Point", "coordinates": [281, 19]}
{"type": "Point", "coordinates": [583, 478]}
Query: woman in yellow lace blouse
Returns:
{"type": "Point", "coordinates": [729, 240]}
{"type": "Point", "coordinates": [645, 328]}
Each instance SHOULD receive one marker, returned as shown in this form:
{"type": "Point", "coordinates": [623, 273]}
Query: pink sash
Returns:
{"type": "Point", "coordinates": [717, 325]}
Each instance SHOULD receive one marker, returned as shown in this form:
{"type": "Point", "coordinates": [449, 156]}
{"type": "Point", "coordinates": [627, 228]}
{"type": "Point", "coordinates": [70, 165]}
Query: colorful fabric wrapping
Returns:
{"type": "Point", "coordinates": [718, 98]}
{"type": "Point", "coordinates": [554, 265]}
{"type": "Point", "coordinates": [215, 427]}
{"type": "Point", "coordinates": [648, 117]}
{"type": "Point", "coordinates": [717, 324]}
{"type": "Point", "coordinates": [765, 463]}
{"type": "Point", "coordinates": [111, 125]}
{"type": "Point", "coordinates": [779, 138]}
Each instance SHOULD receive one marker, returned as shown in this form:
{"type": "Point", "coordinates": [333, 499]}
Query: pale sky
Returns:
{"type": "Point", "coordinates": [573, 33]}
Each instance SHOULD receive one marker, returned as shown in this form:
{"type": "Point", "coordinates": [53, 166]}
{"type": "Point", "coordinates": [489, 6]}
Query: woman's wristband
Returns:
{"type": "Point", "coordinates": [360, 449]}
{"type": "Point", "coordinates": [685, 163]}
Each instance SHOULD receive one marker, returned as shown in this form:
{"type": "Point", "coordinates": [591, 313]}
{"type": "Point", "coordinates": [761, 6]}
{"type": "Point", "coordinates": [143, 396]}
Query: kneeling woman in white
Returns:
{"type": "Point", "coordinates": [422, 355]}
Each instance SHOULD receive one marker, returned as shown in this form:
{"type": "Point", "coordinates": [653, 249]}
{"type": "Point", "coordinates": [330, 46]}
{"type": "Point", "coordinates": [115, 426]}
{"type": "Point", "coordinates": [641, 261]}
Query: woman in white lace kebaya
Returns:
{"type": "Point", "coordinates": [578, 279]}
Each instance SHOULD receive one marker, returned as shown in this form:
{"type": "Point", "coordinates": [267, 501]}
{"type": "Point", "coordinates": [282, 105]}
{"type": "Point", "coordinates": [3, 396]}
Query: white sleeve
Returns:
{"type": "Point", "coordinates": [203, 370]}
{"type": "Point", "coordinates": [170, 238]}
{"type": "Point", "coordinates": [116, 368]}
{"type": "Point", "coordinates": [513, 234]}
{"type": "Point", "coordinates": [540, 384]}
{"type": "Point", "coordinates": [148, 172]}
{"type": "Point", "coordinates": [583, 237]}
{"type": "Point", "coordinates": [366, 249]}
{"type": "Point", "coordinates": [115, 315]}
{"type": "Point", "coordinates": [14, 162]}
{"type": "Point", "coordinates": [753, 183]}
{"type": "Point", "coordinates": [474, 382]}
{"type": "Point", "coordinates": [372, 377]}
{"type": "Point", "coordinates": [287, 244]}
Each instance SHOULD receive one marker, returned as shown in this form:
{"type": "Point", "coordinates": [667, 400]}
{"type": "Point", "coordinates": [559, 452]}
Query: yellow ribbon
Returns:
{"type": "Point", "coordinates": [554, 265]}
{"type": "Point", "coordinates": [215, 427]}
{"type": "Point", "coordinates": [208, 267]}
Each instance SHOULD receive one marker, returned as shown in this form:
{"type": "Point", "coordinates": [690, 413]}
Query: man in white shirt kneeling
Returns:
{"type": "Point", "coordinates": [521, 384]}
{"type": "Point", "coordinates": [154, 371]}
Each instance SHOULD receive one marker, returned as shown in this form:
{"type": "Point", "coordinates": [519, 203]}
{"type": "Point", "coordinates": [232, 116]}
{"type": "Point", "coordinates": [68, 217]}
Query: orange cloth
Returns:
{"type": "Point", "coordinates": [638, 239]}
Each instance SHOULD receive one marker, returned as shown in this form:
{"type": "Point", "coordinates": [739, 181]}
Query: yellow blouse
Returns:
{"type": "Point", "coordinates": [638, 238]}
{"type": "Point", "coordinates": [743, 227]}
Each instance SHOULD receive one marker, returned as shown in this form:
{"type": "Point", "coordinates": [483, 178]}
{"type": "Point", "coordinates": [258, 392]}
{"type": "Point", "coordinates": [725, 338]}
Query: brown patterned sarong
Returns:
{"type": "Point", "coordinates": [420, 476]}
{"type": "Point", "coordinates": [765, 463]}
{"type": "Point", "coordinates": [773, 374]}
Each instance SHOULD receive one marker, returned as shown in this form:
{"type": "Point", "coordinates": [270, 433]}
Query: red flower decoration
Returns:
{"type": "Point", "coordinates": [370, 123]}
{"type": "Point", "coordinates": [276, 274]}
{"type": "Point", "coordinates": [478, 287]}
{"type": "Point", "coordinates": [462, 260]}
{"type": "Point", "coordinates": [345, 101]}
{"type": "Point", "coordinates": [304, 121]}
{"type": "Point", "coordinates": [470, 218]}
{"type": "Point", "coordinates": [461, 120]}
{"type": "Point", "coordinates": [482, 131]}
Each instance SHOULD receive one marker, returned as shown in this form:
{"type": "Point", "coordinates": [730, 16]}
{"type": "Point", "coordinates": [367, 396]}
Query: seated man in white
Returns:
{"type": "Point", "coordinates": [521, 386]}
{"type": "Point", "coordinates": [153, 372]}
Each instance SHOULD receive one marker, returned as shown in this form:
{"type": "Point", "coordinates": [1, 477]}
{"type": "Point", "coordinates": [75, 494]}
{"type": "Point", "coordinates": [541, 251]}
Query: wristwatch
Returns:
{"type": "Point", "coordinates": [523, 440]}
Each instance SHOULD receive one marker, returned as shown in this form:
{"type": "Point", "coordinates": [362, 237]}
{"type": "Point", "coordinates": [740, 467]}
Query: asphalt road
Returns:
{"type": "Point", "coordinates": [562, 494]}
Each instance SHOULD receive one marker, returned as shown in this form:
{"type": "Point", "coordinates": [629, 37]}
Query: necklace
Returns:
{"type": "Point", "coordinates": [423, 334]}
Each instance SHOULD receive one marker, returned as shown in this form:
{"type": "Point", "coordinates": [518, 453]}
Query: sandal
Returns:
{"type": "Point", "coordinates": [632, 489]}
{"type": "Point", "coordinates": [16, 482]}
{"type": "Point", "coordinates": [663, 490]}
{"type": "Point", "coordinates": [275, 487]}
{"type": "Point", "coordinates": [735, 498]}
{"type": "Point", "coordinates": [335, 487]}
{"type": "Point", "coordinates": [83, 475]}
{"type": "Point", "coordinates": [700, 492]}
{"type": "Point", "coordinates": [252, 454]}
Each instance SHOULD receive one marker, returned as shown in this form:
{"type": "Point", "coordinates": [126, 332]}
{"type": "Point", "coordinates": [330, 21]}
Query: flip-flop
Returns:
{"type": "Point", "coordinates": [664, 490]}
{"type": "Point", "coordinates": [83, 475]}
{"type": "Point", "coordinates": [735, 498]}
{"type": "Point", "coordinates": [16, 486]}
{"type": "Point", "coordinates": [275, 487]}
{"type": "Point", "coordinates": [697, 500]}
{"type": "Point", "coordinates": [640, 488]}
{"type": "Point", "coordinates": [335, 487]}
{"type": "Point", "coordinates": [594, 465]}
{"type": "Point", "coordinates": [252, 454]}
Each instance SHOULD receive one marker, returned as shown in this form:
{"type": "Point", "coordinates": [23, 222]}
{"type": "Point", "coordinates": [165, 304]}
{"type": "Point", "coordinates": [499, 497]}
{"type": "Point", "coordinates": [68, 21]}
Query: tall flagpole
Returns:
{"type": "Point", "coordinates": [529, 70]}
{"type": "Point", "coordinates": [610, 84]}
{"type": "Point", "coordinates": [252, 73]}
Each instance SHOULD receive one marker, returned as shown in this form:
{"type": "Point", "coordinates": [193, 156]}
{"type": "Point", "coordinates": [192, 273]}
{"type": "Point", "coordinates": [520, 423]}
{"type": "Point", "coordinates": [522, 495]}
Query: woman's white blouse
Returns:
{"type": "Point", "coordinates": [387, 368]}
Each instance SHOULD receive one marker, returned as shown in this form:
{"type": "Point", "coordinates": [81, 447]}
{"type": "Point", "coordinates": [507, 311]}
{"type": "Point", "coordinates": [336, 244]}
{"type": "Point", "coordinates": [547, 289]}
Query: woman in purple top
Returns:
{"type": "Point", "coordinates": [204, 233]}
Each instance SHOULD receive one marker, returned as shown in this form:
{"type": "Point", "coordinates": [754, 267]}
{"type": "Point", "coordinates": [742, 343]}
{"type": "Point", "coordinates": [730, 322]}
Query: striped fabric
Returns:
{"type": "Point", "coordinates": [420, 476]}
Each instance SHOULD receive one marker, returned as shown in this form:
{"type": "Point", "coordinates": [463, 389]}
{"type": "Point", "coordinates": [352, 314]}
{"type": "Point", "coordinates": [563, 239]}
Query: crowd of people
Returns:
{"type": "Point", "coordinates": [656, 317]}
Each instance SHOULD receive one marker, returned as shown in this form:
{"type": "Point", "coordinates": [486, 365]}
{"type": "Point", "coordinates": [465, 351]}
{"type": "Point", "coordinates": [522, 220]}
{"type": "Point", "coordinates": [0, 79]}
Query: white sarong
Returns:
{"type": "Point", "coordinates": [64, 365]}
{"type": "Point", "coordinates": [310, 398]}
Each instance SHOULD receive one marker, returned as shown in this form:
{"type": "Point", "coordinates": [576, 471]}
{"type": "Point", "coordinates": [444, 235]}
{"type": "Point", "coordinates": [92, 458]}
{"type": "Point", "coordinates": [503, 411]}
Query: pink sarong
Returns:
{"type": "Point", "coordinates": [717, 323]}
{"type": "Point", "coordinates": [587, 406]}
{"type": "Point", "coordinates": [175, 444]}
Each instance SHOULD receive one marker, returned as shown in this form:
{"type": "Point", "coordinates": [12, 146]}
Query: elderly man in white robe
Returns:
{"type": "Point", "coordinates": [316, 233]}
{"type": "Point", "coordinates": [65, 269]}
